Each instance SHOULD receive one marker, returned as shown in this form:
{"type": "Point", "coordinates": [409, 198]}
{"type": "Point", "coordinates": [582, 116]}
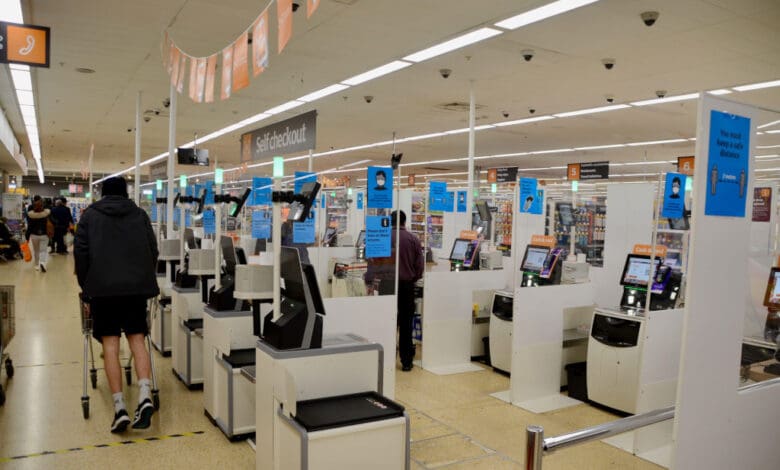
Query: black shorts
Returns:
{"type": "Point", "coordinates": [113, 315]}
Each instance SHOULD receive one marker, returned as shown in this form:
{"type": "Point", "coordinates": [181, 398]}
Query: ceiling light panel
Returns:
{"type": "Point", "coordinates": [600, 109]}
{"type": "Point", "coordinates": [523, 121]}
{"type": "Point", "coordinates": [758, 86]}
{"type": "Point", "coordinates": [668, 99]}
{"type": "Point", "coordinates": [376, 73]}
{"type": "Point", "coordinates": [284, 107]}
{"type": "Point", "coordinates": [323, 93]}
{"type": "Point", "coordinates": [453, 44]}
{"type": "Point", "coordinates": [541, 13]}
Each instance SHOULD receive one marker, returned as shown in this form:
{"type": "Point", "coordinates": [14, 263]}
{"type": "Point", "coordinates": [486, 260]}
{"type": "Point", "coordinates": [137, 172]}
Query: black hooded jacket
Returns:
{"type": "Point", "coordinates": [115, 250]}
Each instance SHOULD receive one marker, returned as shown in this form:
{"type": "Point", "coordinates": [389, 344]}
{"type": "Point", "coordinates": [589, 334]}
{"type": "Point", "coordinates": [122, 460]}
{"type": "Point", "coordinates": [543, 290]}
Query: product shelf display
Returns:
{"type": "Point", "coordinates": [417, 223]}
{"type": "Point", "coordinates": [503, 224]}
{"type": "Point", "coordinates": [589, 222]}
{"type": "Point", "coordinates": [336, 210]}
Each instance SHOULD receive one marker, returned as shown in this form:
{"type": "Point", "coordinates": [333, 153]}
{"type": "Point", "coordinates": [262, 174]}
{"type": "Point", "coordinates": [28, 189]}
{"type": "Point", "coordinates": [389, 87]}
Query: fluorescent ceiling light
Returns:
{"type": "Point", "coordinates": [22, 80]}
{"type": "Point", "coordinates": [523, 121]}
{"type": "Point", "coordinates": [483, 127]}
{"type": "Point", "coordinates": [284, 107]}
{"type": "Point", "coordinates": [767, 146]}
{"type": "Point", "coordinates": [722, 91]}
{"type": "Point", "coordinates": [11, 11]}
{"type": "Point", "coordinates": [376, 73]}
{"type": "Point", "coordinates": [542, 152]}
{"type": "Point", "coordinates": [757, 86]}
{"type": "Point", "coordinates": [767, 156]}
{"type": "Point", "coordinates": [769, 124]}
{"type": "Point", "coordinates": [323, 93]}
{"type": "Point", "coordinates": [774, 131]}
{"type": "Point", "coordinates": [462, 130]}
{"type": "Point", "coordinates": [541, 13]}
{"type": "Point", "coordinates": [421, 137]}
{"type": "Point", "coordinates": [600, 147]}
{"type": "Point", "coordinates": [600, 109]}
{"type": "Point", "coordinates": [28, 111]}
{"type": "Point", "coordinates": [25, 97]}
{"type": "Point", "coordinates": [655, 142]}
{"type": "Point", "coordinates": [668, 99]}
{"type": "Point", "coordinates": [453, 44]}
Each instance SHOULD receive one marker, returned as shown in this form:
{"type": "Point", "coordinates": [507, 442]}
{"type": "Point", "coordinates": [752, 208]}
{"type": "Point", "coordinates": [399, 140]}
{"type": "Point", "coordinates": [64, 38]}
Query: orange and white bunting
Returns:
{"type": "Point", "coordinates": [175, 63]}
{"type": "Point", "coordinates": [311, 7]}
{"type": "Point", "coordinates": [284, 16]}
{"type": "Point", "coordinates": [200, 79]}
{"type": "Point", "coordinates": [182, 74]}
{"type": "Point", "coordinates": [227, 72]}
{"type": "Point", "coordinates": [193, 79]}
{"type": "Point", "coordinates": [211, 75]}
{"type": "Point", "coordinates": [260, 44]}
{"type": "Point", "coordinates": [240, 63]}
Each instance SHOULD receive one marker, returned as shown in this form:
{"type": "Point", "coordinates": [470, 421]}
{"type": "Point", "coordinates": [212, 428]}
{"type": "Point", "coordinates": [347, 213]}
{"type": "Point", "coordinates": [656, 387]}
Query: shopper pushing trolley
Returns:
{"type": "Point", "coordinates": [116, 254]}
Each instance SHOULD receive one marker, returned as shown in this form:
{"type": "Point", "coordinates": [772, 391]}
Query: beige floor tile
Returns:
{"type": "Point", "coordinates": [430, 432]}
{"type": "Point", "coordinates": [446, 450]}
{"type": "Point", "coordinates": [493, 462]}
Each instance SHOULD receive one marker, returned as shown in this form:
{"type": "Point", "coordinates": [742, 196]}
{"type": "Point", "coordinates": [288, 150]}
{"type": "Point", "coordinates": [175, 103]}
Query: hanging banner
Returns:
{"type": "Point", "coordinates": [209, 222]}
{"type": "Point", "coordinates": [182, 74]}
{"type": "Point", "coordinates": [528, 195]}
{"type": "Point", "coordinates": [727, 165]}
{"type": "Point", "coordinates": [762, 204]}
{"type": "Point", "coordinates": [211, 75]}
{"type": "Point", "coordinates": [261, 191]}
{"type": "Point", "coordinates": [506, 174]}
{"type": "Point", "coordinates": [303, 232]}
{"type": "Point", "coordinates": [260, 44]}
{"type": "Point", "coordinates": [261, 225]}
{"type": "Point", "coordinates": [686, 165]}
{"type": "Point", "coordinates": [360, 201]}
{"type": "Point", "coordinates": [293, 135]}
{"type": "Point", "coordinates": [193, 79]}
{"type": "Point", "coordinates": [209, 187]}
{"type": "Point", "coordinates": [380, 187]}
{"type": "Point", "coordinates": [674, 196]}
{"type": "Point", "coordinates": [538, 205]}
{"type": "Point", "coordinates": [462, 201]}
{"type": "Point", "coordinates": [200, 80]}
{"type": "Point", "coordinates": [378, 236]}
{"type": "Point", "coordinates": [227, 72]}
{"type": "Point", "coordinates": [24, 44]}
{"type": "Point", "coordinates": [302, 177]}
{"type": "Point", "coordinates": [284, 16]}
{"type": "Point", "coordinates": [437, 196]}
{"type": "Point", "coordinates": [311, 7]}
{"type": "Point", "coordinates": [175, 64]}
{"type": "Point", "coordinates": [240, 63]}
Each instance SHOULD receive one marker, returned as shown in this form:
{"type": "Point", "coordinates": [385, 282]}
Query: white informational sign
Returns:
{"type": "Point", "coordinates": [12, 206]}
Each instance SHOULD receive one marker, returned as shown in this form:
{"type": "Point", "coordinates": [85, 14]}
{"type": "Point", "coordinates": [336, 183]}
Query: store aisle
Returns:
{"type": "Point", "coordinates": [455, 423]}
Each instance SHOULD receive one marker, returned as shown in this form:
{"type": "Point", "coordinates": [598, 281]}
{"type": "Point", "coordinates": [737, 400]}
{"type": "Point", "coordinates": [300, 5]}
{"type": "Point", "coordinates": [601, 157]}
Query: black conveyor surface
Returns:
{"type": "Point", "coordinates": [194, 324]}
{"type": "Point", "coordinates": [346, 410]}
{"type": "Point", "coordinates": [239, 358]}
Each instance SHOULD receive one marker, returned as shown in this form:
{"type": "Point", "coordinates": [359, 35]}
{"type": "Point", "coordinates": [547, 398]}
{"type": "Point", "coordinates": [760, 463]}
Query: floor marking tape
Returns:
{"type": "Point", "coordinates": [101, 446]}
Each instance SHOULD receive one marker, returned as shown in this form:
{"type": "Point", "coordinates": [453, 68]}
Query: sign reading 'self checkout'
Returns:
{"type": "Point", "coordinates": [24, 44]}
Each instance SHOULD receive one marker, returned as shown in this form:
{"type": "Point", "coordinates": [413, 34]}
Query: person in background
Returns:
{"type": "Point", "coordinates": [37, 217]}
{"type": "Point", "coordinates": [380, 274]}
{"type": "Point", "coordinates": [62, 218]}
{"type": "Point", "coordinates": [9, 248]}
{"type": "Point", "coordinates": [115, 251]}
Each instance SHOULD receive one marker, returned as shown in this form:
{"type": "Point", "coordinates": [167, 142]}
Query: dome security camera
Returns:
{"type": "Point", "coordinates": [649, 17]}
{"type": "Point", "coordinates": [368, 98]}
{"type": "Point", "coordinates": [527, 54]}
{"type": "Point", "coordinates": [531, 110]}
{"type": "Point", "coordinates": [166, 102]}
{"type": "Point", "coordinates": [295, 6]}
{"type": "Point", "coordinates": [610, 98]}
{"type": "Point", "coordinates": [156, 111]}
{"type": "Point", "coordinates": [609, 64]}
{"type": "Point", "coordinates": [660, 93]}
{"type": "Point", "coordinates": [445, 73]}
{"type": "Point", "coordinates": [147, 118]}
{"type": "Point", "coordinates": [505, 114]}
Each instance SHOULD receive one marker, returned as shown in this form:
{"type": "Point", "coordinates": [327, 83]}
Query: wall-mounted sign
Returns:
{"type": "Point", "coordinates": [506, 174]}
{"type": "Point", "coordinates": [674, 196]}
{"type": "Point", "coordinates": [360, 201]}
{"type": "Point", "coordinates": [303, 232]}
{"type": "Point", "coordinates": [462, 201]}
{"type": "Point", "coordinates": [528, 196]}
{"type": "Point", "coordinates": [685, 165]}
{"type": "Point", "coordinates": [437, 196]}
{"type": "Point", "coordinates": [261, 224]}
{"type": "Point", "coordinates": [762, 204]}
{"type": "Point", "coordinates": [209, 222]}
{"type": "Point", "coordinates": [261, 191]}
{"type": "Point", "coordinates": [450, 202]}
{"type": "Point", "coordinates": [587, 171]}
{"type": "Point", "coordinates": [727, 165]}
{"type": "Point", "coordinates": [24, 44]}
{"type": "Point", "coordinates": [293, 135]}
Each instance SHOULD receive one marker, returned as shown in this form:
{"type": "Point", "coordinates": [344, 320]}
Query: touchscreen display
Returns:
{"type": "Point", "coordinates": [459, 250]}
{"type": "Point", "coordinates": [638, 272]}
{"type": "Point", "coordinates": [535, 258]}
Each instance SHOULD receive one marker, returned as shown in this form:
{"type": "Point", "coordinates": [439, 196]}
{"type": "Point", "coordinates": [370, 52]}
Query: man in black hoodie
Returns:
{"type": "Point", "coordinates": [116, 253]}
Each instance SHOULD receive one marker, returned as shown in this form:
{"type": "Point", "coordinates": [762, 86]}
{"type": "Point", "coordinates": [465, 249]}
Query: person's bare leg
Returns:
{"type": "Point", "coordinates": [143, 365]}
{"type": "Point", "coordinates": [111, 361]}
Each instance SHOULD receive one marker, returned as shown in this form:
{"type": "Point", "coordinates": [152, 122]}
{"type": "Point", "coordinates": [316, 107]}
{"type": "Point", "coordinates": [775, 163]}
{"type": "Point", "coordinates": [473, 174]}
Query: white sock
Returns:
{"type": "Point", "coordinates": [145, 391]}
{"type": "Point", "coordinates": [119, 402]}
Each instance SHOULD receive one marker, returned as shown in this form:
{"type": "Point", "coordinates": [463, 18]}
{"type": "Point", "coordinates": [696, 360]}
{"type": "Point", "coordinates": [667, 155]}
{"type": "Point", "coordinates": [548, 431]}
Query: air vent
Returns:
{"type": "Point", "coordinates": [458, 106]}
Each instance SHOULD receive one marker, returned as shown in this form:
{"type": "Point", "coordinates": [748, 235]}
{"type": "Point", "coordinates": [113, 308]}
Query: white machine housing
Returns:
{"type": "Point", "coordinates": [491, 260]}
{"type": "Point", "coordinates": [501, 313]}
{"type": "Point", "coordinates": [253, 278]}
{"type": "Point", "coordinates": [575, 272]}
{"type": "Point", "coordinates": [201, 262]}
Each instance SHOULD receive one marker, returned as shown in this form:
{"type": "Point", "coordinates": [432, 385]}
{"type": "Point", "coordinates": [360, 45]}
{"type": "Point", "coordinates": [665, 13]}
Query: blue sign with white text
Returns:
{"type": "Point", "coordinates": [209, 222]}
{"type": "Point", "coordinates": [209, 186]}
{"type": "Point", "coordinates": [380, 187]}
{"type": "Point", "coordinates": [437, 196]}
{"type": "Point", "coordinates": [462, 201]}
{"type": "Point", "coordinates": [303, 177]}
{"type": "Point", "coordinates": [303, 232]}
{"type": "Point", "coordinates": [528, 196]}
{"type": "Point", "coordinates": [450, 203]}
{"type": "Point", "coordinates": [360, 201]}
{"type": "Point", "coordinates": [378, 236]}
{"type": "Point", "coordinates": [261, 224]}
{"type": "Point", "coordinates": [538, 206]}
{"type": "Point", "coordinates": [261, 191]}
{"type": "Point", "coordinates": [727, 165]}
{"type": "Point", "coordinates": [674, 196]}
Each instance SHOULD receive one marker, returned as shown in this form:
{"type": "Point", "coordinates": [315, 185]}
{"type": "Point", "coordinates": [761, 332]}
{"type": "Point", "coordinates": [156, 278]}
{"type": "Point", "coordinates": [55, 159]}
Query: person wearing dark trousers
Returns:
{"type": "Point", "coordinates": [61, 218]}
{"type": "Point", "coordinates": [115, 250]}
{"type": "Point", "coordinates": [380, 275]}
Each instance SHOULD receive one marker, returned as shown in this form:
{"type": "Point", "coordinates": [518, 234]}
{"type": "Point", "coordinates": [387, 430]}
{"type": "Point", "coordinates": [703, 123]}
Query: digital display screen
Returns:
{"type": "Point", "coordinates": [459, 250]}
{"type": "Point", "coordinates": [565, 214]}
{"type": "Point", "coordinates": [535, 258]}
{"type": "Point", "coordinates": [637, 270]}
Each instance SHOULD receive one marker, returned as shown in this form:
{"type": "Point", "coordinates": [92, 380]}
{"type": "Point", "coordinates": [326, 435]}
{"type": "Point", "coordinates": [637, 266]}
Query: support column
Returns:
{"type": "Point", "coordinates": [472, 145]}
{"type": "Point", "coordinates": [171, 161]}
{"type": "Point", "coordinates": [137, 176]}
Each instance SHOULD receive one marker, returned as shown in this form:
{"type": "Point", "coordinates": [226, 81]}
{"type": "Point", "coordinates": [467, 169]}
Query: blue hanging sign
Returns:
{"type": "Point", "coordinates": [674, 196]}
{"type": "Point", "coordinates": [538, 205]}
{"type": "Point", "coordinates": [528, 195]}
{"type": "Point", "coordinates": [360, 201]}
{"type": "Point", "coordinates": [462, 201]}
{"type": "Point", "coordinates": [303, 177]}
{"type": "Point", "coordinates": [209, 186]}
{"type": "Point", "coordinates": [380, 187]}
{"type": "Point", "coordinates": [450, 203]}
{"type": "Point", "coordinates": [303, 232]}
{"type": "Point", "coordinates": [727, 165]}
{"type": "Point", "coordinates": [437, 196]}
{"type": "Point", "coordinates": [378, 236]}
{"type": "Point", "coordinates": [209, 222]}
{"type": "Point", "coordinates": [261, 224]}
{"type": "Point", "coordinates": [153, 215]}
{"type": "Point", "coordinates": [261, 191]}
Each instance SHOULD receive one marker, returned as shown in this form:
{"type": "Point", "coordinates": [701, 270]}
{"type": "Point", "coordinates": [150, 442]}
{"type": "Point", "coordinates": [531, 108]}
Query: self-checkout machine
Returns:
{"type": "Point", "coordinates": [169, 246]}
{"type": "Point", "coordinates": [319, 401]}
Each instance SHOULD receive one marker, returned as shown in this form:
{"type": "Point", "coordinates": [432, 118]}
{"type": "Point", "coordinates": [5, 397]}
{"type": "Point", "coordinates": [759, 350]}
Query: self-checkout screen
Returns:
{"type": "Point", "coordinates": [637, 271]}
{"type": "Point", "coordinates": [535, 258]}
{"type": "Point", "coordinates": [774, 296]}
{"type": "Point", "coordinates": [459, 250]}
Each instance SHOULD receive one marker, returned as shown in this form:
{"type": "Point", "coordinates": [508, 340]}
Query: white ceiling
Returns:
{"type": "Point", "coordinates": [695, 45]}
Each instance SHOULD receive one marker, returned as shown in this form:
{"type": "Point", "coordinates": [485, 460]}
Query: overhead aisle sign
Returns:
{"type": "Point", "coordinates": [24, 44]}
{"type": "Point", "coordinates": [587, 171]}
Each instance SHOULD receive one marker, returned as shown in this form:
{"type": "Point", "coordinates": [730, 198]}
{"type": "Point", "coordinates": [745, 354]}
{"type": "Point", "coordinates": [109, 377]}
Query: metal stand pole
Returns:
{"type": "Point", "coordinates": [137, 178]}
{"type": "Point", "coordinates": [534, 438]}
{"type": "Point", "coordinates": [658, 199]}
{"type": "Point", "coordinates": [472, 146]}
{"type": "Point", "coordinates": [171, 161]}
{"type": "Point", "coordinates": [276, 236]}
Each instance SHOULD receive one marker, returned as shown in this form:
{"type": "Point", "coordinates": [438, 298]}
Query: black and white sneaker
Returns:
{"type": "Point", "coordinates": [121, 421]}
{"type": "Point", "coordinates": [143, 415]}
{"type": "Point", "coordinates": [43, 267]}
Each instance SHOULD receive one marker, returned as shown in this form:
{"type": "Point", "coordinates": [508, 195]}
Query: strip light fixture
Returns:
{"type": "Point", "coordinates": [668, 99]}
{"type": "Point", "coordinates": [542, 13]}
{"type": "Point", "coordinates": [757, 86]}
{"type": "Point", "coordinates": [463, 40]}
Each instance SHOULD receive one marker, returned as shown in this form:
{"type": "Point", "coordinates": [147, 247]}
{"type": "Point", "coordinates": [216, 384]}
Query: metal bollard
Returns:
{"type": "Point", "coordinates": [534, 438]}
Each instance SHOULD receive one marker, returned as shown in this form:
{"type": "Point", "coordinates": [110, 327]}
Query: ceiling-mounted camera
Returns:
{"type": "Point", "coordinates": [445, 73]}
{"type": "Point", "coordinates": [166, 102]}
{"type": "Point", "coordinates": [609, 64]}
{"type": "Point", "coordinates": [531, 110]}
{"type": "Point", "coordinates": [610, 98]}
{"type": "Point", "coordinates": [660, 93]}
{"type": "Point", "coordinates": [368, 98]}
{"type": "Point", "coordinates": [649, 17]}
{"type": "Point", "coordinates": [505, 114]}
{"type": "Point", "coordinates": [527, 54]}
{"type": "Point", "coordinates": [147, 118]}
{"type": "Point", "coordinates": [295, 6]}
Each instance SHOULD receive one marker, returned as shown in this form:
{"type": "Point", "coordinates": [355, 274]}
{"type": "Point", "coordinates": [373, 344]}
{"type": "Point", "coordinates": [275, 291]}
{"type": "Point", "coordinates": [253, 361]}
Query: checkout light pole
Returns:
{"type": "Point", "coordinates": [276, 222]}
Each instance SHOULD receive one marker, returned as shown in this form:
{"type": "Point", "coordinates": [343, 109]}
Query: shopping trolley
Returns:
{"type": "Point", "coordinates": [89, 360]}
{"type": "Point", "coordinates": [6, 332]}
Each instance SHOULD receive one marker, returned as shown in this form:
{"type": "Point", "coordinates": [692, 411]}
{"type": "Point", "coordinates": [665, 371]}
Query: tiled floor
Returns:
{"type": "Point", "coordinates": [455, 423]}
